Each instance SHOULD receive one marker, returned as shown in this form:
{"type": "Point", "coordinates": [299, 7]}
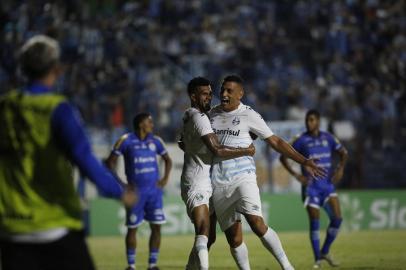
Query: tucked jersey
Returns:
{"type": "Point", "coordinates": [232, 129]}
{"type": "Point", "coordinates": [321, 148]}
{"type": "Point", "coordinates": [140, 158]}
{"type": "Point", "coordinates": [197, 157]}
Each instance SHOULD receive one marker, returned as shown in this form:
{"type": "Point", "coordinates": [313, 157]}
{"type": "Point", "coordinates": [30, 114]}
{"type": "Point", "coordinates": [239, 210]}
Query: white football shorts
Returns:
{"type": "Point", "coordinates": [233, 200]}
{"type": "Point", "coordinates": [194, 196]}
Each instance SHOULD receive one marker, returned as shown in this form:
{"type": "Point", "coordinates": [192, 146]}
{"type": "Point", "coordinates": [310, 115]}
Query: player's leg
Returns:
{"type": "Point", "coordinates": [313, 213]}
{"type": "Point", "coordinates": [131, 245]}
{"type": "Point", "coordinates": [134, 218]}
{"type": "Point", "coordinates": [154, 214]}
{"type": "Point", "coordinates": [238, 248]}
{"type": "Point", "coordinates": [154, 245]}
{"type": "Point", "coordinates": [250, 206]}
{"type": "Point", "coordinates": [212, 230]}
{"type": "Point", "coordinates": [224, 200]}
{"type": "Point", "coordinates": [269, 239]}
{"type": "Point", "coordinates": [197, 204]}
{"type": "Point", "coordinates": [314, 198]}
{"type": "Point", "coordinates": [332, 230]}
{"type": "Point", "coordinates": [201, 222]}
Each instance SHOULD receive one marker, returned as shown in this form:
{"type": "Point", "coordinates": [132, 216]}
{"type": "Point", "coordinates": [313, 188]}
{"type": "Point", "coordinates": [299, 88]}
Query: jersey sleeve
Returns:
{"type": "Point", "coordinates": [70, 136]}
{"type": "Point", "coordinates": [118, 148]}
{"type": "Point", "coordinates": [160, 146]}
{"type": "Point", "coordinates": [202, 124]}
{"type": "Point", "coordinates": [258, 125]}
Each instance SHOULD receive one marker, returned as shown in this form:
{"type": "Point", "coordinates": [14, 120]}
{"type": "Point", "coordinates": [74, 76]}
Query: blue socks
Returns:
{"type": "Point", "coordinates": [131, 257]}
{"type": "Point", "coordinates": [332, 232]}
{"type": "Point", "coordinates": [153, 257]}
{"type": "Point", "coordinates": [315, 238]}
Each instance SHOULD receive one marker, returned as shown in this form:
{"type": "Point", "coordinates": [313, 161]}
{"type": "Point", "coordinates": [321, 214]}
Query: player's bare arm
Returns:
{"type": "Point", "coordinates": [287, 150]}
{"type": "Point", "coordinates": [339, 170]}
{"type": "Point", "coordinates": [219, 150]}
{"type": "Point", "coordinates": [111, 163]}
{"type": "Point", "coordinates": [168, 166]}
{"type": "Point", "coordinates": [300, 177]}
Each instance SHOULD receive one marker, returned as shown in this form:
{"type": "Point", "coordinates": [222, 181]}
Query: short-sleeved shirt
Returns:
{"type": "Point", "coordinates": [322, 148]}
{"type": "Point", "coordinates": [197, 157]}
{"type": "Point", "coordinates": [233, 129]}
{"type": "Point", "coordinates": [140, 158]}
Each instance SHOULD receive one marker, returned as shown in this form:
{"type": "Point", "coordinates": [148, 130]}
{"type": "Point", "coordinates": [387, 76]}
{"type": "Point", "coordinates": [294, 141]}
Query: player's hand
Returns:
{"type": "Point", "coordinates": [129, 197]}
{"type": "Point", "coordinates": [251, 150]}
{"type": "Point", "coordinates": [313, 169]}
{"type": "Point", "coordinates": [302, 179]}
{"type": "Point", "coordinates": [338, 175]}
{"type": "Point", "coordinates": [161, 183]}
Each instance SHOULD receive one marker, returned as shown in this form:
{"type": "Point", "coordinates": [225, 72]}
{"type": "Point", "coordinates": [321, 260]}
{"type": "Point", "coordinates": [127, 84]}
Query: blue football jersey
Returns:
{"type": "Point", "coordinates": [140, 158]}
{"type": "Point", "coordinates": [322, 148]}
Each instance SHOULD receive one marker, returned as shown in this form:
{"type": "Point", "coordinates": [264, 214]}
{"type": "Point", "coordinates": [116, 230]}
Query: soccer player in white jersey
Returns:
{"type": "Point", "coordinates": [235, 189]}
{"type": "Point", "coordinates": [200, 144]}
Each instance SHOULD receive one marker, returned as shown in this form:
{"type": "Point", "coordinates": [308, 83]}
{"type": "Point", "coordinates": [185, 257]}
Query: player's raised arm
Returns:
{"type": "Point", "coordinates": [219, 150]}
{"type": "Point", "coordinates": [287, 150]}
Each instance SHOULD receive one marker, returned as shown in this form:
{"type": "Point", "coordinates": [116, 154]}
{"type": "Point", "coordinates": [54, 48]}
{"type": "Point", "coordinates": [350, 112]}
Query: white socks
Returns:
{"type": "Point", "coordinates": [199, 254]}
{"type": "Point", "coordinates": [271, 241]}
{"type": "Point", "coordinates": [240, 255]}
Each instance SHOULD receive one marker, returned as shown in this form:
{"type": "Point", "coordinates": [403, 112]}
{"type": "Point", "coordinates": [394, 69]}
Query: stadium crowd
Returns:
{"type": "Point", "coordinates": [345, 58]}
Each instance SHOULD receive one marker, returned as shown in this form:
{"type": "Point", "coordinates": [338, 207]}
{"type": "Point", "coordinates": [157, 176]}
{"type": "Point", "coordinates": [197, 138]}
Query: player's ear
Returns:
{"type": "Point", "coordinates": [241, 93]}
{"type": "Point", "coordinates": [193, 97]}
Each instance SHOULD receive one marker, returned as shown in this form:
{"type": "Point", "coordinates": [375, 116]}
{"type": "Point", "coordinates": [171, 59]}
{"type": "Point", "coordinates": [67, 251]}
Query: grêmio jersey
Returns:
{"type": "Point", "coordinates": [322, 148]}
{"type": "Point", "coordinates": [140, 158]}
{"type": "Point", "coordinates": [197, 157]}
{"type": "Point", "coordinates": [232, 129]}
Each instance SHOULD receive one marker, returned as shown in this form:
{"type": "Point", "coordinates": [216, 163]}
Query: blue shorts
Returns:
{"type": "Point", "coordinates": [318, 196]}
{"type": "Point", "coordinates": [148, 207]}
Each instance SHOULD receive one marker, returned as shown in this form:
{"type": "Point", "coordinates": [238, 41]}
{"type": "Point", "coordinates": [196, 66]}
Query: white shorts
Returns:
{"type": "Point", "coordinates": [232, 201]}
{"type": "Point", "coordinates": [194, 196]}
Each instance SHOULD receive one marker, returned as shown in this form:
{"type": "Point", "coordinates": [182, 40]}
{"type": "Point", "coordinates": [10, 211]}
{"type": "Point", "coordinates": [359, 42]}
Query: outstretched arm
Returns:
{"type": "Point", "coordinates": [287, 150]}
{"type": "Point", "coordinates": [219, 150]}
{"type": "Point", "coordinates": [70, 136]}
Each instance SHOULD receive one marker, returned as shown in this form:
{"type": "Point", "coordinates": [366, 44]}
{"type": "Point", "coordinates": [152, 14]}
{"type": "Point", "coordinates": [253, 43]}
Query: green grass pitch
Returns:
{"type": "Point", "coordinates": [356, 250]}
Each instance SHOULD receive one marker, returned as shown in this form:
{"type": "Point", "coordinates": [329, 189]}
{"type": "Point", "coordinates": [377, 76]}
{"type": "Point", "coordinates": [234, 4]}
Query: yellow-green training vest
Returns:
{"type": "Point", "coordinates": [36, 181]}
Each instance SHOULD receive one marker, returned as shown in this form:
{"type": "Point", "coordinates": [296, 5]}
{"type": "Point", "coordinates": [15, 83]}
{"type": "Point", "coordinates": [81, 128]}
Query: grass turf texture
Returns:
{"type": "Point", "coordinates": [355, 250]}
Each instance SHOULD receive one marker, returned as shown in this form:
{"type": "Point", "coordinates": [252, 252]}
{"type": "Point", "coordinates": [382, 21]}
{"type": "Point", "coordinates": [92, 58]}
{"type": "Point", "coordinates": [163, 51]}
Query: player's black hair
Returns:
{"type": "Point", "coordinates": [232, 78]}
{"type": "Point", "coordinates": [195, 83]}
{"type": "Point", "coordinates": [313, 112]}
{"type": "Point", "coordinates": [139, 118]}
{"type": "Point", "coordinates": [38, 56]}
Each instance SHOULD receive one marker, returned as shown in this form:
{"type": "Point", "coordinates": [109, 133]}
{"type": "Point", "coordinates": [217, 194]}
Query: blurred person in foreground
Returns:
{"type": "Point", "coordinates": [140, 149]}
{"type": "Point", "coordinates": [40, 139]}
{"type": "Point", "coordinates": [320, 192]}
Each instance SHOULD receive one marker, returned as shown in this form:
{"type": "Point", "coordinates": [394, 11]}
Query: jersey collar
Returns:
{"type": "Point", "coordinates": [231, 112]}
